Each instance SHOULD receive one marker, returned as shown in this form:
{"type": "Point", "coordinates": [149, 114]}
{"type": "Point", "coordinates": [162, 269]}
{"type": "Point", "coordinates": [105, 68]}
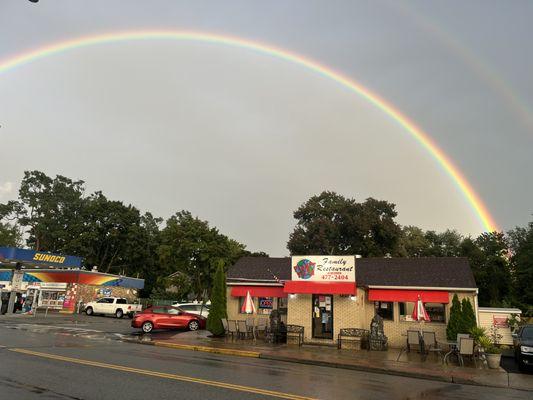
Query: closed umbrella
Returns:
{"type": "Point", "coordinates": [248, 307]}
{"type": "Point", "coordinates": [420, 313]}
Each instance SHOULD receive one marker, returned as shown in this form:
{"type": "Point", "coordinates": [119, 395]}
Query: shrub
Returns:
{"type": "Point", "coordinates": [455, 323]}
{"type": "Point", "coordinates": [477, 333]}
{"type": "Point", "coordinates": [218, 309]}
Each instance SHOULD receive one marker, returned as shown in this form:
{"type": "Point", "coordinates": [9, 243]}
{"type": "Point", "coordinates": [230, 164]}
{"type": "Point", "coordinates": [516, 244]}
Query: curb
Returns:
{"type": "Point", "coordinates": [205, 349]}
{"type": "Point", "coordinates": [363, 368]}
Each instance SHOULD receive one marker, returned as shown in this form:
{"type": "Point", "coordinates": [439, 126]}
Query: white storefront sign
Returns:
{"type": "Point", "coordinates": [323, 268]}
{"type": "Point", "coordinates": [53, 286]}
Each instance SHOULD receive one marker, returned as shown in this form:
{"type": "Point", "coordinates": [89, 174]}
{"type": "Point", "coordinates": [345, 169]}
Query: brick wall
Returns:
{"type": "Point", "coordinates": [347, 313]}
{"type": "Point", "coordinates": [394, 329]}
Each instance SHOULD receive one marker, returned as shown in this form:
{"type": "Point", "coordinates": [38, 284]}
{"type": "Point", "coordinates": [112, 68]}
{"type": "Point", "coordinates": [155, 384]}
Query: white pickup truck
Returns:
{"type": "Point", "coordinates": [116, 306]}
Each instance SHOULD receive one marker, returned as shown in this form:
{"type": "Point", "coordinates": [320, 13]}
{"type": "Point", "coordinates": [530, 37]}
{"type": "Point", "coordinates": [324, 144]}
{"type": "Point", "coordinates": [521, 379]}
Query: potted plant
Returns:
{"type": "Point", "coordinates": [491, 351]}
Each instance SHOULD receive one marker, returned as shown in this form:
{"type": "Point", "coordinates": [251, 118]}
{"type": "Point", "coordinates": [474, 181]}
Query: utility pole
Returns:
{"type": "Point", "coordinates": [16, 286]}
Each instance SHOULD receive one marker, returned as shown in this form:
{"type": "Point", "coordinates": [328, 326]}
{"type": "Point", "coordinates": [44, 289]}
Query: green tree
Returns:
{"type": "Point", "coordinates": [413, 242]}
{"type": "Point", "coordinates": [488, 255]}
{"type": "Point", "coordinates": [218, 309]}
{"type": "Point", "coordinates": [329, 223]}
{"type": "Point", "coordinates": [455, 323]}
{"type": "Point", "coordinates": [191, 246]}
{"type": "Point", "coordinates": [10, 235]}
{"type": "Point", "coordinates": [48, 210]}
{"type": "Point", "coordinates": [521, 240]}
{"type": "Point", "coordinates": [468, 316]}
{"type": "Point", "coordinates": [444, 244]}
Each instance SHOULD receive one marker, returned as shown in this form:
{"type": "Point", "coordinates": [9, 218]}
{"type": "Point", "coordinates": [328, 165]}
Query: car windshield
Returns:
{"type": "Point", "coordinates": [527, 333]}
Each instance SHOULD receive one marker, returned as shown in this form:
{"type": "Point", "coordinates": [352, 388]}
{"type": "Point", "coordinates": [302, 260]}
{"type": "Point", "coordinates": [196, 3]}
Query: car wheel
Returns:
{"type": "Point", "coordinates": [194, 325]}
{"type": "Point", "coordinates": [89, 311]}
{"type": "Point", "coordinates": [147, 327]}
{"type": "Point", "coordinates": [119, 313]}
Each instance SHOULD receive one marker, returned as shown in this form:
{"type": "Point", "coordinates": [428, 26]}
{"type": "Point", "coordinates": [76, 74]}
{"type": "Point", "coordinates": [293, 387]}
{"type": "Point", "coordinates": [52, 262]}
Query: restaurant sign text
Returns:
{"type": "Point", "coordinates": [323, 268]}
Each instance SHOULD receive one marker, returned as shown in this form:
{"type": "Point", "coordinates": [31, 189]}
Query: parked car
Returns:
{"type": "Point", "coordinates": [194, 308]}
{"type": "Point", "coordinates": [117, 306]}
{"type": "Point", "coordinates": [523, 346]}
{"type": "Point", "coordinates": [167, 317]}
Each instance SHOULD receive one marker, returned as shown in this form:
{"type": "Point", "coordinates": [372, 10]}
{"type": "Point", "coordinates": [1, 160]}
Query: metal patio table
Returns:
{"type": "Point", "coordinates": [452, 345]}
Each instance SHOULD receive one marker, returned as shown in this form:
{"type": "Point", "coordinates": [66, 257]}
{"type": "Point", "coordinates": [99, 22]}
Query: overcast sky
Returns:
{"type": "Point", "coordinates": [241, 139]}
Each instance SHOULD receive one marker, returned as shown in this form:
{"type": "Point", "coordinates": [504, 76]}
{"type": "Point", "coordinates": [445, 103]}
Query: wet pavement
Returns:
{"type": "Point", "coordinates": [86, 359]}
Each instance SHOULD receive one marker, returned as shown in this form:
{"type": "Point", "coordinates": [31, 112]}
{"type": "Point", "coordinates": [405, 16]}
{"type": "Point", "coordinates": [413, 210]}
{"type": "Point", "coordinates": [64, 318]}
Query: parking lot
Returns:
{"type": "Point", "coordinates": [81, 325]}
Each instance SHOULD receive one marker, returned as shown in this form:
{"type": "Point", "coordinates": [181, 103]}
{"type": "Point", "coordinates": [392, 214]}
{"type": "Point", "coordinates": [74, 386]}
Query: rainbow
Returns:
{"type": "Point", "coordinates": [418, 134]}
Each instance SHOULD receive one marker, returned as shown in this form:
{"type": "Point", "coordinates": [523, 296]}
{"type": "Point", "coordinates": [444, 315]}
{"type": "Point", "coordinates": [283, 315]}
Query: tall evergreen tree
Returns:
{"type": "Point", "coordinates": [218, 308]}
{"type": "Point", "coordinates": [455, 323]}
{"type": "Point", "coordinates": [468, 316]}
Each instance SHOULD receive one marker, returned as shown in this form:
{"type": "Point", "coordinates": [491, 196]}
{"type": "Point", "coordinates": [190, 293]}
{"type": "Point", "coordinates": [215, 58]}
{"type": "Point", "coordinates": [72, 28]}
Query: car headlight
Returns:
{"type": "Point", "coordinates": [526, 349]}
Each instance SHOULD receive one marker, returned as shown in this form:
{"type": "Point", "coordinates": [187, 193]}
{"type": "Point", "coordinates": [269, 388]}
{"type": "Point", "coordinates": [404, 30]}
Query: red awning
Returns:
{"type": "Point", "coordinates": [258, 291]}
{"type": "Point", "coordinates": [319, 287]}
{"type": "Point", "coordinates": [427, 296]}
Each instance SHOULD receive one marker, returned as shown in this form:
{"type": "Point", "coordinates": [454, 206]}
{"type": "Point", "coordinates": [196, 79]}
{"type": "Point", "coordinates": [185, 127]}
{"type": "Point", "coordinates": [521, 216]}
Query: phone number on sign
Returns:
{"type": "Point", "coordinates": [335, 277]}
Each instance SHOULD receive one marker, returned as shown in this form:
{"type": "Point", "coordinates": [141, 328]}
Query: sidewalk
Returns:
{"type": "Point", "coordinates": [409, 365]}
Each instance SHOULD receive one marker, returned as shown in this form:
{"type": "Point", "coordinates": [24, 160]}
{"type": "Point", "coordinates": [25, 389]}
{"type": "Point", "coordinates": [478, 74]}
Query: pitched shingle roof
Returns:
{"type": "Point", "coordinates": [419, 272]}
{"type": "Point", "coordinates": [415, 272]}
{"type": "Point", "coordinates": [261, 269]}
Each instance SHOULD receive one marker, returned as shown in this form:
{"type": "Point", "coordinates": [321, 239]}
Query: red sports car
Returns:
{"type": "Point", "coordinates": [167, 317]}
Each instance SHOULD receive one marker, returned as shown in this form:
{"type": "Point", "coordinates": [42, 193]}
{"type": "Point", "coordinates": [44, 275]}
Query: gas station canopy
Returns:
{"type": "Point", "coordinates": [10, 256]}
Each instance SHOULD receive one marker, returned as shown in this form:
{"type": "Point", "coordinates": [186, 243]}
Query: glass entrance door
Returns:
{"type": "Point", "coordinates": [322, 316]}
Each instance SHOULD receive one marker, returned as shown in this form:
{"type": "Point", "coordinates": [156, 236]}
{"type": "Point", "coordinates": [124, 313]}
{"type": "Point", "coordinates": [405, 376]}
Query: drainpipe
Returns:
{"type": "Point", "coordinates": [476, 307]}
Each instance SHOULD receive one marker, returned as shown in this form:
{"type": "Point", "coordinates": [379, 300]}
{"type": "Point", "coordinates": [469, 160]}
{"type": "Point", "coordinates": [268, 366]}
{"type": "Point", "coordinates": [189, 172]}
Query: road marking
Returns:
{"type": "Point", "coordinates": [182, 378]}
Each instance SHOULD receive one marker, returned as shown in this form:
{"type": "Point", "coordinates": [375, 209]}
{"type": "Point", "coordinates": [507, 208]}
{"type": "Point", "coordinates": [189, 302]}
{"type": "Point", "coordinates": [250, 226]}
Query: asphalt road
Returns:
{"type": "Point", "coordinates": [43, 361]}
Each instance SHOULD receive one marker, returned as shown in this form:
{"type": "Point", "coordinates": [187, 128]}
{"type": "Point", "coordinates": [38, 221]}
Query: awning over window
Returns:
{"type": "Point", "coordinates": [320, 287]}
{"type": "Point", "coordinates": [427, 296]}
{"type": "Point", "coordinates": [258, 291]}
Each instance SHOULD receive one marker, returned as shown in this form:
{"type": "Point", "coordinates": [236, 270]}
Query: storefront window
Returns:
{"type": "Point", "coordinates": [406, 311]}
{"type": "Point", "coordinates": [384, 309]}
{"type": "Point", "coordinates": [436, 312]}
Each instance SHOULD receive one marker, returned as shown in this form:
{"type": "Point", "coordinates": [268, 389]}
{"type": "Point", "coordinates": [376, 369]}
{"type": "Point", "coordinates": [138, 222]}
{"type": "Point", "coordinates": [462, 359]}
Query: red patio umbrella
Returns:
{"type": "Point", "coordinates": [248, 307]}
{"type": "Point", "coordinates": [419, 312]}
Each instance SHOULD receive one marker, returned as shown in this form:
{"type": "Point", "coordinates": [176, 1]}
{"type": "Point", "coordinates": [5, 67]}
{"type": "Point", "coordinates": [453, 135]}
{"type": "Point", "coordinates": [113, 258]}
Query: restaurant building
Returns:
{"type": "Point", "coordinates": [58, 282]}
{"type": "Point", "coordinates": [327, 293]}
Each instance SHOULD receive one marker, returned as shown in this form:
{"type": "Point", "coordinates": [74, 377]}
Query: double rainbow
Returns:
{"type": "Point", "coordinates": [418, 134]}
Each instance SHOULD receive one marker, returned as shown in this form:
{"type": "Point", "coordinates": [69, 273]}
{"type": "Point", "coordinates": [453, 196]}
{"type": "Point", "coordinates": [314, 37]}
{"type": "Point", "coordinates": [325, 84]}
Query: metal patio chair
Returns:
{"type": "Point", "coordinates": [225, 325]}
{"type": "Point", "coordinates": [232, 329]}
{"type": "Point", "coordinates": [466, 349]}
{"type": "Point", "coordinates": [243, 329]}
{"type": "Point", "coordinates": [413, 340]}
{"type": "Point", "coordinates": [431, 345]}
{"type": "Point", "coordinates": [250, 327]}
{"type": "Point", "coordinates": [262, 324]}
